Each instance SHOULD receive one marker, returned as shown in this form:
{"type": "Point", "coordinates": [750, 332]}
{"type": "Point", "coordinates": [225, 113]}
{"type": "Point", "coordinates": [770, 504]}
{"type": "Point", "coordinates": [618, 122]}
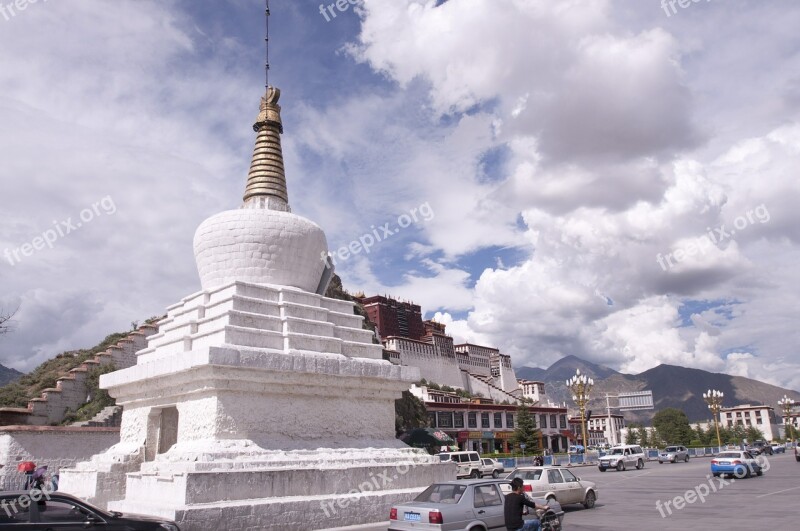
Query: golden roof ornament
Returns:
{"type": "Point", "coordinates": [266, 181]}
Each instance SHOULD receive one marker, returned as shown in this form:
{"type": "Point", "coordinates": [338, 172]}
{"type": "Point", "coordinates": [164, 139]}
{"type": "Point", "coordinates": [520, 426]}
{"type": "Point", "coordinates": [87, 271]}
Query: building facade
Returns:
{"type": "Point", "coordinates": [487, 427]}
{"type": "Point", "coordinates": [394, 318]}
{"type": "Point", "coordinates": [612, 431]}
{"type": "Point", "coordinates": [757, 416]}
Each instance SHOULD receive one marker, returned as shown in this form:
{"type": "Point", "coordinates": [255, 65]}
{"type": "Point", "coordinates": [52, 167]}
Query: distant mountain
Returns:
{"type": "Point", "coordinates": [8, 375]}
{"type": "Point", "coordinates": [564, 369]}
{"type": "Point", "coordinates": [672, 386]}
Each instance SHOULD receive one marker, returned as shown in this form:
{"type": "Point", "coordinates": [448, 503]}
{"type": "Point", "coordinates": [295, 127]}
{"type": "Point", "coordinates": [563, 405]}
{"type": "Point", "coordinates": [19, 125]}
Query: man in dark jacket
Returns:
{"type": "Point", "coordinates": [515, 505]}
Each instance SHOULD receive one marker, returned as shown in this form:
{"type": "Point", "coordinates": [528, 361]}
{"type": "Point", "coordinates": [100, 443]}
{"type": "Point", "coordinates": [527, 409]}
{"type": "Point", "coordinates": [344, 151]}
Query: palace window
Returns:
{"type": "Point", "coordinates": [509, 420]}
{"type": "Point", "coordinates": [445, 419]}
{"type": "Point", "coordinates": [543, 421]}
{"type": "Point", "coordinates": [498, 420]}
{"type": "Point", "coordinates": [458, 420]}
{"type": "Point", "coordinates": [485, 421]}
{"type": "Point", "coordinates": [472, 420]}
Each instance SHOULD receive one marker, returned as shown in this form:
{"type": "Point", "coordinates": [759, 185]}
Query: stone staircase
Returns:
{"type": "Point", "coordinates": [496, 393]}
{"type": "Point", "coordinates": [110, 417]}
{"type": "Point", "coordinates": [71, 390]}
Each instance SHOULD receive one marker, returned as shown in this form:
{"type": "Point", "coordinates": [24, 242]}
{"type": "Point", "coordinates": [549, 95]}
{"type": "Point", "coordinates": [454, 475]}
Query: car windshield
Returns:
{"type": "Point", "coordinates": [528, 475]}
{"type": "Point", "coordinates": [442, 493]}
{"type": "Point", "coordinates": [729, 455]}
{"type": "Point", "coordinates": [670, 449]}
{"type": "Point", "coordinates": [444, 457]}
{"type": "Point", "coordinates": [616, 451]}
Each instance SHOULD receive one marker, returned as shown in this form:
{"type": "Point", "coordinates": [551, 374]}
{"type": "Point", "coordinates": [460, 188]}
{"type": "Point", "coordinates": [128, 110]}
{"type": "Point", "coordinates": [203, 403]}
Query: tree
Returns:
{"type": "Point", "coordinates": [409, 413]}
{"type": "Point", "coordinates": [672, 426]}
{"type": "Point", "coordinates": [5, 321]}
{"type": "Point", "coordinates": [753, 434]}
{"type": "Point", "coordinates": [644, 439]}
{"type": "Point", "coordinates": [526, 432]}
{"type": "Point", "coordinates": [632, 436]}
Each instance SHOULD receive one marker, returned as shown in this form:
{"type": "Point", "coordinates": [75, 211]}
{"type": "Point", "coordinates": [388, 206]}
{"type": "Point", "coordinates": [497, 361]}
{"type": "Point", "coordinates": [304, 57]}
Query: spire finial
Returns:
{"type": "Point", "coordinates": [266, 181]}
{"type": "Point", "coordinates": [266, 42]}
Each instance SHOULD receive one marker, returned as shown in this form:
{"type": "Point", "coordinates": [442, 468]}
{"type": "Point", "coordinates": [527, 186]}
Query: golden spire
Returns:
{"type": "Point", "coordinates": [266, 182]}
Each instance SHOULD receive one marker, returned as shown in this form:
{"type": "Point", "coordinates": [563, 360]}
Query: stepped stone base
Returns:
{"type": "Point", "coordinates": [258, 407]}
{"type": "Point", "coordinates": [281, 490]}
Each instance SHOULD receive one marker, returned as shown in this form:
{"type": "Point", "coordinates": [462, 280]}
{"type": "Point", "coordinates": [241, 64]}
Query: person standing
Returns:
{"type": "Point", "coordinates": [515, 504]}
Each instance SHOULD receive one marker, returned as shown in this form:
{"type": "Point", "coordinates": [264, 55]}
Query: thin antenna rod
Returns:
{"type": "Point", "coordinates": [266, 66]}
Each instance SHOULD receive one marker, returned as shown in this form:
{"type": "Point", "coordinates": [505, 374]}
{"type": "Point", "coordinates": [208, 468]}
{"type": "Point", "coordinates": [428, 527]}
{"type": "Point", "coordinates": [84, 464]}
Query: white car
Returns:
{"type": "Point", "coordinates": [492, 467]}
{"type": "Point", "coordinates": [469, 464]}
{"type": "Point", "coordinates": [623, 457]}
{"type": "Point", "coordinates": [556, 483]}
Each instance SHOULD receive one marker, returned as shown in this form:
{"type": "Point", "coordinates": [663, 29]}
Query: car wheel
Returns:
{"type": "Point", "coordinates": [740, 472]}
{"type": "Point", "coordinates": [716, 474]}
{"type": "Point", "coordinates": [590, 499]}
{"type": "Point", "coordinates": [759, 472]}
{"type": "Point", "coordinates": [620, 466]}
{"type": "Point", "coordinates": [660, 462]}
{"type": "Point", "coordinates": [495, 474]}
{"type": "Point", "coordinates": [603, 469]}
{"type": "Point", "coordinates": [686, 459]}
{"type": "Point", "coordinates": [639, 464]}
{"type": "Point", "coordinates": [551, 498]}
{"type": "Point", "coordinates": [476, 474]}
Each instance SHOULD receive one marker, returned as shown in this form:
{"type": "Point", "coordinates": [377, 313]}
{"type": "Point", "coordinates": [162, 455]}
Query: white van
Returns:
{"type": "Point", "coordinates": [622, 457]}
{"type": "Point", "coordinates": [469, 463]}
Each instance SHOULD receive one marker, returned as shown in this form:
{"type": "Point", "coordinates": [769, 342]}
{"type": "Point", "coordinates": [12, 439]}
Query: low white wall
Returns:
{"type": "Point", "coordinates": [55, 446]}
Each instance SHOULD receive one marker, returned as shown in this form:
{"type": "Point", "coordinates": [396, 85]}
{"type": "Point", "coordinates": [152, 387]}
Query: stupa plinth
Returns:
{"type": "Point", "coordinates": [260, 403]}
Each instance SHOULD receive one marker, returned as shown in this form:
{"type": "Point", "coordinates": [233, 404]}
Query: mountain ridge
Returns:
{"type": "Point", "coordinates": [672, 386]}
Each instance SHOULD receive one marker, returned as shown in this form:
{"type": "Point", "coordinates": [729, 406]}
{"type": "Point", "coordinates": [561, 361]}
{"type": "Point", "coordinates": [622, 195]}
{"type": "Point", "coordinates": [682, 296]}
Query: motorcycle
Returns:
{"type": "Point", "coordinates": [551, 518]}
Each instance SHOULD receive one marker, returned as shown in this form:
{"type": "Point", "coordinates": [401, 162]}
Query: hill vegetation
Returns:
{"type": "Point", "coordinates": [31, 385]}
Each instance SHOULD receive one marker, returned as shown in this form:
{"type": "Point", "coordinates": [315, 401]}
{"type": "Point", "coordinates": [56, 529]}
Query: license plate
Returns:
{"type": "Point", "coordinates": [724, 462]}
{"type": "Point", "coordinates": [412, 517]}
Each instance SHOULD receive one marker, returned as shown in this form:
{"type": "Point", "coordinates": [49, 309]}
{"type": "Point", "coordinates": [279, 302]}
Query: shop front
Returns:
{"type": "Point", "coordinates": [502, 441]}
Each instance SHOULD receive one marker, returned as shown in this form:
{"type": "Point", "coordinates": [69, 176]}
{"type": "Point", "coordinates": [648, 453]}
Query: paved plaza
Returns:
{"type": "Point", "coordinates": [628, 499]}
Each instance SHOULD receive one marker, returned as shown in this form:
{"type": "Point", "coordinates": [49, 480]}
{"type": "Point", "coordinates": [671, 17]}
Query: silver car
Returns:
{"type": "Point", "coordinates": [673, 454]}
{"type": "Point", "coordinates": [456, 506]}
{"type": "Point", "coordinates": [556, 483]}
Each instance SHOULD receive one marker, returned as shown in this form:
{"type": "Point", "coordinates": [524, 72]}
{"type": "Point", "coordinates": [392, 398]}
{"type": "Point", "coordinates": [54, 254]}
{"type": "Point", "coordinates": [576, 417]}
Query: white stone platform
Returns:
{"type": "Point", "coordinates": [258, 407]}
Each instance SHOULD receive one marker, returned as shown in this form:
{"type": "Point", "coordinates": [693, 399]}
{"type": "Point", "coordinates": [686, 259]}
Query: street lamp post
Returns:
{"type": "Point", "coordinates": [787, 404]}
{"type": "Point", "coordinates": [714, 400]}
{"type": "Point", "coordinates": [580, 385]}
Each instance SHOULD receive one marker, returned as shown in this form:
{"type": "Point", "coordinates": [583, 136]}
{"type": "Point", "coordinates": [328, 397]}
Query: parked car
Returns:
{"type": "Point", "coordinates": [778, 449]}
{"type": "Point", "coordinates": [469, 463]}
{"type": "Point", "coordinates": [457, 505]}
{"type": "Point", "coordinates": [796, 454]}
{"type": "Point", "coordinates": [576, 449]}
{"type": "Point", "coordinates": [556, 483]}
{"type": "Point", "coordinates": [623, 457]}
{"type": "Point", "coordinates": [673, 454]}
{"type": "Point", "coordinates": [56, 510]}
{"type": "Point", "coordinates": [760, 447]}
{"type": "Point", "coordinates": [738, 463]}
{"type": "Point", "coordinates": [492, 467]}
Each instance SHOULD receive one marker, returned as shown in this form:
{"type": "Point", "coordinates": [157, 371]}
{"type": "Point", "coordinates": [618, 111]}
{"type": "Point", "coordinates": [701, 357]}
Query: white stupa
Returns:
{"type": "Point", "coordinates": [260, 404]}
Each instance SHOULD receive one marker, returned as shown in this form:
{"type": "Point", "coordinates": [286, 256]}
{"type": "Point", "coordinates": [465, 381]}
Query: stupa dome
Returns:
{"type": "Point", "coordinates": [263, 242]}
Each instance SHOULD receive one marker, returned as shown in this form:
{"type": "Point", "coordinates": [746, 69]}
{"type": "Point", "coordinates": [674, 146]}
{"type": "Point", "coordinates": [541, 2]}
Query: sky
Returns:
{"type": "Point", "coordinates": [615, 180]}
